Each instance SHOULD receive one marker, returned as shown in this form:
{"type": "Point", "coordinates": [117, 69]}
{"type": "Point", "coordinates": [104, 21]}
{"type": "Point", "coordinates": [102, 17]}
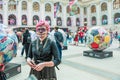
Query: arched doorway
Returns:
{"type": "Point", "coordinates": [24, 20]}
{"type": "Point", "coordinates": [59, 21]}
{"type": "Point", "coordinates": [12, 19]}
{"type": "Point", "coordinates": [93, 21]}
{"type": "Point", "coordinates": [117, 18]}
{"type": "Point", "coordinates": [48, 19]}
{"type": "Point", "coordinates": [35, 19]}
{"type": "Point", "coordinates": [77, 22]}
{"type": "Point", "coordinates": [1, 18]}
{"type": "Point", "coordinates": [68, 21]}
{"type": "Point", "coordinates": [104, 20]}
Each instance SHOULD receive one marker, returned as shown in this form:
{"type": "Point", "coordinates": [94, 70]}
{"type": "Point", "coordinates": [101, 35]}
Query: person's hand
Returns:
{"type": "Point", "coordinates": [31, 63]}
{"type": "Point", "coordinates": [39, 66]}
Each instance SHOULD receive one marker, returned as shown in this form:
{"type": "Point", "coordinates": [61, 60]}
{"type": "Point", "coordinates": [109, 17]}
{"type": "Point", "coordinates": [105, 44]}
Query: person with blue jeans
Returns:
{"type": "Point", "coordinates": [81, 35]}
{"type": "Point", "coordinates": [119, 39]}
{"type": "Point", "coordinates": [25, 42]}
{"type": "Point", "coordinates": [22, 52]}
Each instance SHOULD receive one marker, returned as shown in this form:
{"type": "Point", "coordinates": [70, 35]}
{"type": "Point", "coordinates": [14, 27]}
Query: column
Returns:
{"type": "Point", "coordinates": [81, 16]}
{"type": "Point", "coordinates": [88, 16]}
{"type": "Point", "coordinates": [73, 20]}
{"type": "Point", "coordinates": [110, 21]}
{"type": "Point", "coordinates": [5, 15]}
{"type": "Point", "coordinates": [29, 16]}
{"type": "Point", "coordinates": [42, 10]}
{"type": "Point", "coordinates": [64, 15]}
{"type": "Point", "coordinates": [19, 14]}
{"type": "Point", "coordinates": [53, 21]}
{"type": "Point", "coordinates": [98, 19]}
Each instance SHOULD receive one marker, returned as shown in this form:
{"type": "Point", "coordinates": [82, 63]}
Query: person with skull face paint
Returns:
{"type": "Point", "coordinates": [43, 54]}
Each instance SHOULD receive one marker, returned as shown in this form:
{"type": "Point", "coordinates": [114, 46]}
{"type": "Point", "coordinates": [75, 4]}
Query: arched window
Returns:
{"type": "Point", "coordinates": [36, 6]}
{"type": "Point", "coordinates": [117, 18]}
{"type": "Point", "coordinates": [104, 20]}
{"type": "Point", "coordinates": [1, 5]}
{"type": "Point", "coordinates": [56, 9]}
{"type": "Point", "coordinates": [116, 4]}
{"type": "Point", "coordinates": [68, 9]}
{"type": "Point", "coordinates": [103, 7]}
{"type": "Point", "coordinates": [60, 8]}
{"type": "Point", "coordinates": [48, 7]}
{"type": "Point", "coordinates": [24, 20]}
{"type": "Point", "coordinates": [59, 21]}
{"type": "Point", "coordinates": [11, 5]}
{"type": "Point", "coordinates": [93, 20]}
{"type": "Point", "coordinates": [77, 22]}
{"type": "Point", "coordinates": [48, 19]}
{"type": "Point", "coordinates": [73, 10]}
{"type": "Point", "coordinates": [78, 10]}
{"type": "Point", "coordinates": [24, 5]}
{"type": "Point", "coordinates": [69, 21]}
{"type": "Point", "coordinates": [1, 18]}
{"type": "Point", "coordinates": [93, 9]}
{"type": "Point", "coordinates": [11, 19]}
{"type": "Point", "coordinates": [35, 19]}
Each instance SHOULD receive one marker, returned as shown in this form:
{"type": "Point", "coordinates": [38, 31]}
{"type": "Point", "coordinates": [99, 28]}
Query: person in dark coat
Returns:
{"type": "Point", "coordinates": [43, 54]}
{"type": "Point", "coordinates": [25, 42]}
{"type": "Point", "coordinates": [59, 40]}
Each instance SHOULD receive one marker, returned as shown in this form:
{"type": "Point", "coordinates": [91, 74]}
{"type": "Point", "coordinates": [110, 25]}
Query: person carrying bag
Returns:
{"type": "Point", "coordinates": [43, 54]}
{"type": "Point", "coordinates": [59, 40]}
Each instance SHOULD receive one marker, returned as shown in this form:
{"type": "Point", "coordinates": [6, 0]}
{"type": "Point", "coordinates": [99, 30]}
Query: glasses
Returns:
{"type": "Point", "coordinates": [41, 29]}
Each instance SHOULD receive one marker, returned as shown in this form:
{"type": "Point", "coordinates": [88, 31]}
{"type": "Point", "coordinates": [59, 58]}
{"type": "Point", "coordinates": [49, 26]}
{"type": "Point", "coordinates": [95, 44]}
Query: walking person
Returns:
{"type": "Point", "coordinates": [76, 39]}
{"type": "Point", "coordinates": [85, 38]}
{"type": "Point", "coordinates": [116, 34]}
{"type": "Point", "coordinates": [81, 35]}
{"type": "Point", "coordinates": [43, 54]}
{"type": "Point", "coordinates": [23, 49]}
{"type": "Point", "coordinates": [59, 40]}
{"type": "Point", "coordinates": [119, 39]}
{"type": "Point", "coordinates": [26, 41]}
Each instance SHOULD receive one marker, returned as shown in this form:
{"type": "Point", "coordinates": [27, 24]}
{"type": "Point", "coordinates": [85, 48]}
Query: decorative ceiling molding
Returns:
{"type": "Point", "coordinates": [88, 2]}
{"type": "Point", "coordinates": [85, 1]}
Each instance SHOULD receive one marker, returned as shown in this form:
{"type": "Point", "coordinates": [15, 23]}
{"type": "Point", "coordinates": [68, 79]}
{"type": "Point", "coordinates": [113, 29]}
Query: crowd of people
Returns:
{"type": "Point", "coordinates": [77, 37]}
{"type": "Point", "coordinates": [80, 36]}
{"type": "Point", "coordinates": [43, 54]}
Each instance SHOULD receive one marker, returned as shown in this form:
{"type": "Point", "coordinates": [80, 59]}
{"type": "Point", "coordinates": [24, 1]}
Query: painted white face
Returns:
{"type": "Point", "coordinates": [42, 32]}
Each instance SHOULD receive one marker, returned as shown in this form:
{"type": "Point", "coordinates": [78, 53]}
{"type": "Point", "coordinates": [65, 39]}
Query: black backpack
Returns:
{"type": "Point", "coordinates": [28, 39]}
{"type": "Point", "coordinates": [58, 37]}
